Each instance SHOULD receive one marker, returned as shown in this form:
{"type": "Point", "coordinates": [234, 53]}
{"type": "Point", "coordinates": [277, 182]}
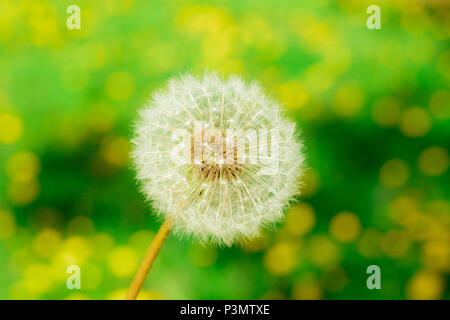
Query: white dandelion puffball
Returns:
{"type": "Point", "coordinates": [216, 157]}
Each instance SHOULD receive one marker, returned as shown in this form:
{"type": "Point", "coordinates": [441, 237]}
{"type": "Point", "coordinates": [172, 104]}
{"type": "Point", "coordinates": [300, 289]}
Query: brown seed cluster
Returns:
{"type": "Point", "coordinates": [211, 157]}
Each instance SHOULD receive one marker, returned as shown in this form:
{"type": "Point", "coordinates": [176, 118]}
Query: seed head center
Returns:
{"type": "Point", "coordinates": [216, 156]}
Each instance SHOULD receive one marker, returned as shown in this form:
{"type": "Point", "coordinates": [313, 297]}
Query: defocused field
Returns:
{"type": "Point", "coordinates": [373, 107]}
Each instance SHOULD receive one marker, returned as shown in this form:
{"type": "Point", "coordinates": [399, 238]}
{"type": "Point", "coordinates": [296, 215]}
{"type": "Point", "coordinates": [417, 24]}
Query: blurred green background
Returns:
{"type": "Point", "coordinates": [372, 105]}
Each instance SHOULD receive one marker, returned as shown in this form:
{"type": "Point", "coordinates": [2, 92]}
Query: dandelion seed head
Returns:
{"type": "Point", "coordinates": [229, 189]}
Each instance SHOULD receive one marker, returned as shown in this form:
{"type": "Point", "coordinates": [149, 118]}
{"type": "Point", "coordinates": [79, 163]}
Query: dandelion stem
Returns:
{"type": "Point", "coordinates": [147, 263]}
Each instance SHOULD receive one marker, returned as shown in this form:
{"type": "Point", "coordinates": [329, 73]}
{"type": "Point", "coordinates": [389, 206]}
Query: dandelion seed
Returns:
{"type": "Point", "coordinates": [217, 196]}
{"type": "Point", "coordinates": [239, 102]}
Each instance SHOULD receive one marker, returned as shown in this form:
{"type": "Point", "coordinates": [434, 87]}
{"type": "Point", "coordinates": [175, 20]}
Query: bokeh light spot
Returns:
{"type": "Point", "coordinates": [394, 173]}
{"type": "Point", "coordinates": [19, 291]}
{"type": "Point", "coordinates": [307, 288]}
{"type": "Point", "coordinates": [122, 261]}
{"type": "Point", "coordinates": [23, 166]}
{"type": "Point", "coordinates": [300, 219]}
{"type": "Point", "coordinates": [415, 122]}
{"type": "Point", "coordinates": [436, 254]}
{"type": "Point", "coordinates": [345, 226]}
{"type": "Point", "coordinates": [425, 285]}
{"type": "Point", "coordinates": [281, 258]}
{"type": "Point", "coordinates": [47, 242]}
{"type": "Point", "coordinates": [141, 240]}
{"type": "Point", "coordinates": [120, 294]}
{"type": "Point", "coordinates": [115, 151]}
{"type": "Point", "coordinates": [23, 192]}
{"type": "Point", "coordinates": [401, 207]}
{"type": "Point", "coordinates": [78, 247]}
{"type": "Point", "coordinates": [11, 128]}
{"type": "Point", "coordinates": [323, 252]}
{"type": "Point", "coordinates": [38, 278]}
{"type": "Point", "coordinates": [433, 161]}
{"type": "Point", "coordinates": [293, 94]}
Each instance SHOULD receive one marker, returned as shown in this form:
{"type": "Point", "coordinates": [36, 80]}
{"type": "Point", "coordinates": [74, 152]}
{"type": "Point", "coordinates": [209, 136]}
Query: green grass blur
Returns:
{"type": "Point", "coordinates": [373, 107]}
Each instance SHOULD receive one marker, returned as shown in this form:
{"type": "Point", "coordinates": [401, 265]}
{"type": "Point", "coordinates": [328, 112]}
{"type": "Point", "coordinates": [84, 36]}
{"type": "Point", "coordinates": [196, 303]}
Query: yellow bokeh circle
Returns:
{"type": "Point", "coordinates": [23, 192]}
{"type": "Point", "coordinates": [436, 254]}
{"type": "Point", "coordinates": [23, 166]}
{"type": "Point", "coordinates": [38, 278]}
{"type": "Point", "coordinates": [433, 161]}
{"type": "Point", "coordinates": [425, 285]}
{"type": "Point", "coordinates": [11, 128]}
{"type": "Point", "coordinates": [401, 208]}
{"type": "Point", "coordinates": [345, 226]}
{"type": "Point", "coordinates": [46, 243]}
{"type": "Point", "coordinates": [122, 261]}
{"type": "Point", "coordinates": [307, 289]}
{"type": "Point", "coordinates": [281, 258]}
{"type": "Point", "coordinates": [115, 151]}
{"type": "Point", "coordinates": [415, 122]}
{"type": "Point", "coordinates": [77, 248]}
{"type": "Point", "coordinates": [300, 219]}
{"type": "Point", "coordinates": [394, 173]}
{"type": "Point", "coordinates": [323, 252]}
